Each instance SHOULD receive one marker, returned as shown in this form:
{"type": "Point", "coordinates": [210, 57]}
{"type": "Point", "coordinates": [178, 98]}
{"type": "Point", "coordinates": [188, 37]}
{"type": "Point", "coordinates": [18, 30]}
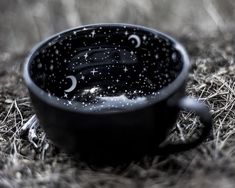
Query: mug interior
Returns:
{"type": "Point", "coordinates": [105, 67]}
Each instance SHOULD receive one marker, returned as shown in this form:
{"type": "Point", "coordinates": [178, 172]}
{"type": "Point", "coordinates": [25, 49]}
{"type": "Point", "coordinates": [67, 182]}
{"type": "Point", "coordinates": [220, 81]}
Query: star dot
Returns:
{"type": "Point", "coordinates": [93, 33]}
{"type": "Point", "coordinates": [86, 55]}
{"type": "Point", "coordinates": [94, 71]}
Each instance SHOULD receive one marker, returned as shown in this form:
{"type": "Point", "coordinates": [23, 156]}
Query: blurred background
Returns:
{"type": "Point", "coordinates": [23, 23]}
{"type": "Point", "coordinates": [205, 27]}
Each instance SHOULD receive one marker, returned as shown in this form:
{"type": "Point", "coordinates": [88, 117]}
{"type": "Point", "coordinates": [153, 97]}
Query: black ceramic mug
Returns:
{"type": "Point", "coordinates": [111, 92]}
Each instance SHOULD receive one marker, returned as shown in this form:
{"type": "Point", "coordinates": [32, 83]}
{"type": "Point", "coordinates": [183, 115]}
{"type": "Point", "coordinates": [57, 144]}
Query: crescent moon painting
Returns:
{"type": "Point", "coordinates": [137, 39]}
{"type": "Point", "coordinates": [74, 83]}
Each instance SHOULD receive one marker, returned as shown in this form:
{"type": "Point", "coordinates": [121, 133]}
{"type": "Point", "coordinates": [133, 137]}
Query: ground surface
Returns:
{"type": "Point", "coordinates": [212, 164]}
{"type": "Point", "coordinates": [212, 79]}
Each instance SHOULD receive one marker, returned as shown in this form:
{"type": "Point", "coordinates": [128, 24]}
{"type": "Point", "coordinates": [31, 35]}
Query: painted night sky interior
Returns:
{"type": "Point", "coordinates": [106, 68]}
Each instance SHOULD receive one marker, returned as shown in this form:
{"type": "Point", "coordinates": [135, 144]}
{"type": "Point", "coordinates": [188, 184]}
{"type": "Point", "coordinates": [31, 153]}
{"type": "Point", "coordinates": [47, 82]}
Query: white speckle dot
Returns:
{"type": "Point", "coordinates": [39, 65]}
{"type": "Point", "coordinates": [86, 55]}
{"type": "Point", "coordinates": [174, 57]}
{"type": "Point", "coordinates": [93, 33]}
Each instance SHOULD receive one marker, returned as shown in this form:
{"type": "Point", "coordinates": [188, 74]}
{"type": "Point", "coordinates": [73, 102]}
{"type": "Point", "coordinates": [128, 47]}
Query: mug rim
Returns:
{"type": "Point", "coordinates": [164, 93]}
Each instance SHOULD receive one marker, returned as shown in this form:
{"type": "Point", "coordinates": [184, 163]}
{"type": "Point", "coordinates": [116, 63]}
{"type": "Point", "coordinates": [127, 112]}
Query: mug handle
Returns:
{"type": "Point", "coordinates": [205, 117]}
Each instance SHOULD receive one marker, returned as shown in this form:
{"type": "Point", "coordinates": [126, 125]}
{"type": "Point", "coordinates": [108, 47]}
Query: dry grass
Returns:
{"type": "Point", "coordinates": [33, 161]}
